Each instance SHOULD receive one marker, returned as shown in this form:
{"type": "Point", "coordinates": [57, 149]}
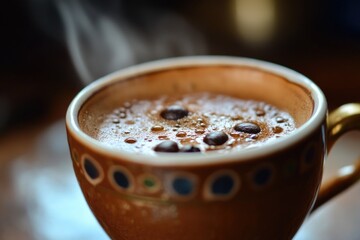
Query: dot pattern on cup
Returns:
{"type": "Point", "coordinates": [182, 185]}
{"type": "Point", "coordinates": [217, 185]}
{"type": "Point", "coordinates": [92, 169]}
{"type": "Point", "coordinates": [149, 182]}
{"type": "Point", "coordinates": [192, 119]}
{"type": "Point", "coordinates": [121, 178]}
{"type": "Point", "coordinates": [262, 176]}
{"type": "Point", "coordinates": [221, 185]}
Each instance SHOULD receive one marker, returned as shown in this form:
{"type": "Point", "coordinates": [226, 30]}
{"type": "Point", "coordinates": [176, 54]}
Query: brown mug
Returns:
{"type": "Point", "coordinates": [267, 191]}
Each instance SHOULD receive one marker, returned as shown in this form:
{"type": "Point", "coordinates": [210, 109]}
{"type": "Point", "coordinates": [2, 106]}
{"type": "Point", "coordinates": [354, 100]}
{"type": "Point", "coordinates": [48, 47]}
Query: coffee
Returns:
{"type": "Point", "coordinates": [194, 110]}
{"type": "Point", "coordinates": [193, 122]}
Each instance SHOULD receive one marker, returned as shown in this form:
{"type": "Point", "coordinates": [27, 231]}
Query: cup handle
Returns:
{"type": "Point", "coordinates": [340, 121]}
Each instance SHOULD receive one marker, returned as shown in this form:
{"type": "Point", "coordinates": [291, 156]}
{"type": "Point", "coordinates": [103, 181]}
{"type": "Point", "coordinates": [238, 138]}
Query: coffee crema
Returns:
{"type": "Point", "coordinates": [193, 122]}
{"type": "Point", "coordinates": [197, 109]}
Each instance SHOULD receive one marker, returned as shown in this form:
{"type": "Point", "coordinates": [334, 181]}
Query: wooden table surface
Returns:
{"type": "Point", "coordinates": [40, 198]}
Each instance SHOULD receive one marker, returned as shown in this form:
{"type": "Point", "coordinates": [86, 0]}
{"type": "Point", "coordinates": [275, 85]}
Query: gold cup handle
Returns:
{"type": "Point", "coordinates": [342, 120]}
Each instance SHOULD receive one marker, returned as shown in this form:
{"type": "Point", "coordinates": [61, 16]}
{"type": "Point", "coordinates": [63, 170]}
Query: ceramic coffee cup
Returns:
{"type": "Point", "coordinates": [265, 192]}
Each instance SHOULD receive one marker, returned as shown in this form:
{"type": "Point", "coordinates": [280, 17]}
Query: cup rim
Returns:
{"type": "Point", "coordinates": [194, 159]}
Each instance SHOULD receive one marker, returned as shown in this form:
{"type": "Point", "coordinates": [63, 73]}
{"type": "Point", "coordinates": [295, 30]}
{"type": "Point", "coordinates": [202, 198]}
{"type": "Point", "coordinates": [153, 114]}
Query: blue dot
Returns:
{"type": "Point", "coordinates": [90, 169]}
{"type": "Point", "coordinates": [222, 185]}
{"type": "Point", "coordinates": [182, 186]}
{"type": "Point", "coordinates": [262, 176]}
{"type": "Point", "coordinates": [121, 179]}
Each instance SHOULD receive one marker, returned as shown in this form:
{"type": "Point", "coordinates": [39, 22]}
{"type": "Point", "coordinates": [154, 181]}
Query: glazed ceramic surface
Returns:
{"type": "Point", "coordinates": [261, 193]}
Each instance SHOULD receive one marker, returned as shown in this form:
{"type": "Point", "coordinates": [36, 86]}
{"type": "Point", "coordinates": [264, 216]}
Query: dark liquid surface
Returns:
{"type": "Point", "coordinates": [234, 124]}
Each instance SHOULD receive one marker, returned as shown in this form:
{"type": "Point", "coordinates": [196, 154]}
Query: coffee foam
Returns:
{"type": "Point", "coordinates": [246, 83]}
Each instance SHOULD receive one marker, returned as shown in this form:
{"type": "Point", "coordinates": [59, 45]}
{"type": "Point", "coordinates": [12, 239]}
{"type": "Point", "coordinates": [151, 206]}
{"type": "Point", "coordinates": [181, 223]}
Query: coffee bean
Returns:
{"type": "Point", "coordinates": [216, 138]}
{"type": "Point", "coordinates": [174, 112]}
{"type": "Point", "coordinates": [190, 148]}
{"type": "Point", "coordinates": [247, 127]}
{"type": "Point", "coordinates": [167, 146]}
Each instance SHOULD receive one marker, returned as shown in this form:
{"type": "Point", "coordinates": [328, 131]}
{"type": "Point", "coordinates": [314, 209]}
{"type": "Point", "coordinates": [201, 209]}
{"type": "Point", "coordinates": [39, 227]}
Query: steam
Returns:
{"type": "Point", "coordinates": [101, 41]}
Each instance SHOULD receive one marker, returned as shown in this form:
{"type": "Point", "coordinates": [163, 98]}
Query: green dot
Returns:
{"type": "Point", "coordinates": [149, 183]}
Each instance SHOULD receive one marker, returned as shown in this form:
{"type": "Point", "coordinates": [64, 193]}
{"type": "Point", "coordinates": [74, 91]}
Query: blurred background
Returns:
{"type": "Point", "coordinates": [51, 49]}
